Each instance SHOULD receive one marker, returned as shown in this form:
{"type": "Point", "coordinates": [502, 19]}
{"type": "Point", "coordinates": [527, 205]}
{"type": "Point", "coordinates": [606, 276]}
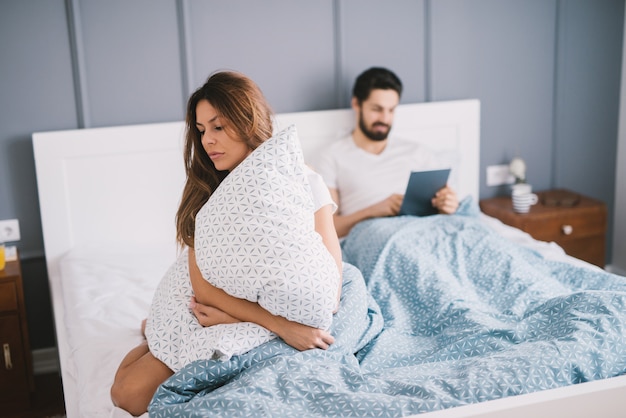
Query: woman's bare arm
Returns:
{"type": "Point", "coordinates": [325, 226]}
{"type": "Point", "coordinates": [208, 315]}
{"type": "Point", "coordinates": [300, 337]}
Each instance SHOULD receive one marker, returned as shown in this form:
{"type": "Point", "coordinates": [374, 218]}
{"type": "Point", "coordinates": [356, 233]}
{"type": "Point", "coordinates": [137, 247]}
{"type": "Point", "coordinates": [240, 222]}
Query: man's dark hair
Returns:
{"type": "Point", "coordinates": [375, 78]}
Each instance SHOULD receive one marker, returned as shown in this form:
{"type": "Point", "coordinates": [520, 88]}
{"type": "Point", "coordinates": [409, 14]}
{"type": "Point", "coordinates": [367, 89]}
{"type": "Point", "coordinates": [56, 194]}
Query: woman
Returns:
{"type": "Point", "coordinates": [227, 119]}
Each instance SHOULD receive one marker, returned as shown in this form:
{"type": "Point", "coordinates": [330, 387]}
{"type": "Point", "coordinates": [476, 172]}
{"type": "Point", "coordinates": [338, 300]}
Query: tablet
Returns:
{"type": "Point", "coordinates": [421, 188]}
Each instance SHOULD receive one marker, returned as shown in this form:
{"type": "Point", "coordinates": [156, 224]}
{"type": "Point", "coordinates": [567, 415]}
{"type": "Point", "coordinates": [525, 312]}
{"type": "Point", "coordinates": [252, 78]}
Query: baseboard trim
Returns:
{"type": "Point", "coordinates": [614, 269]}
{"type": "Point", "coordinates": [45, 360]}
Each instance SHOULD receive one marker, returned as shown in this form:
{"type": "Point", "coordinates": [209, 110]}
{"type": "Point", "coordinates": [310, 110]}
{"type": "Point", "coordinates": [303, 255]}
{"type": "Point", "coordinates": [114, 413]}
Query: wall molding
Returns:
{"type": "Point", "coordinates": [428, 56]}
{"type": "Point", "coordinates": [618, 256]}
{"type": "Point", "coordinates": [45, 360]}
{"type": "Point", "coordinates": [185, 45]}
{"type": "Point", "coordinates": [338, 41]}
{"type": "Point", "coordinates": [559, 52]}
{"type": "Point", "coordinates": [77, 51]}
{"type": "Point", "coordinates": [612, 268]}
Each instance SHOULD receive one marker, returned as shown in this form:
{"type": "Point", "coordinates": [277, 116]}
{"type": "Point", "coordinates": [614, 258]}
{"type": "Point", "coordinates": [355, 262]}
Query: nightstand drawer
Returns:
{"type": "Point", "coordinates": [16, 366]}
{"type": "Point", "coordinates": [567, 226]}
{"type": "Point", "coordinates": [8, 297]}
{"type": "Point", "coordinates": [580, 228]}
{"type": "Point", "coordinates": [13, 376]}
{"type": "Point", "coordinates": [590, 249]}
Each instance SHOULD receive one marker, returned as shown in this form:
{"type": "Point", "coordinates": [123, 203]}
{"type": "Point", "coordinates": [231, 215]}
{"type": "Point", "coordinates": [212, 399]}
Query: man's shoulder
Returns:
{"type": "Point", "coordinates": [344, 142]}
{"type": "Point", "coordinates": [338, 148]}
{"type": "Point", "coordinates": [328, 158]}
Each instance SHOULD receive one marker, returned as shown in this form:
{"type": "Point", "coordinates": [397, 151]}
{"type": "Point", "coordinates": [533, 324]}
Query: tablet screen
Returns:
{"type": "Point", "coordinates": [421, 188]}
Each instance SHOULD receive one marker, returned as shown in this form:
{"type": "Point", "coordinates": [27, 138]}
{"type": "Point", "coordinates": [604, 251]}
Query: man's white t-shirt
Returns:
{"type": "Point", "coordinates": [363, 179]}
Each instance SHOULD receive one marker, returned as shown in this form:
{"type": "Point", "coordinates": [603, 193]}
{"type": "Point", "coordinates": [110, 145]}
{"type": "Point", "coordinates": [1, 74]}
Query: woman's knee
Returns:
{"type": "Point", "coordinates": [130, 395]}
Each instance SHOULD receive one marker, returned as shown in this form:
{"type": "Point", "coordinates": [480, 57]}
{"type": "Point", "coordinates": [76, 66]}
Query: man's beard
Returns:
{"type": "Point", "coordinates": [374, 135]}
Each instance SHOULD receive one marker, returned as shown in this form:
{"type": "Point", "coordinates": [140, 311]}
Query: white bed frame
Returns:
{"type": "Point", "coordinates": [120, 186]}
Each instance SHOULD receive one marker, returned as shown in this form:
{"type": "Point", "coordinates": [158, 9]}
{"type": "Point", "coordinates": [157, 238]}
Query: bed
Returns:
{"type": "Point", "coordinates": [108, 198]}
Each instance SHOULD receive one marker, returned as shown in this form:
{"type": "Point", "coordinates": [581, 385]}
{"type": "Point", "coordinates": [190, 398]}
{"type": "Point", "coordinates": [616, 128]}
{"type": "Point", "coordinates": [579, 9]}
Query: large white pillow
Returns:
{"type": "Point", "coordinates": [255, 237]}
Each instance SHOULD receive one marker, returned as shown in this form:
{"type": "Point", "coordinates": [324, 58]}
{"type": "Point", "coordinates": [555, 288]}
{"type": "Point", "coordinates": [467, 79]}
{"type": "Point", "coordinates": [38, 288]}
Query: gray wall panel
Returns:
{"type": "Point", "coordinates": [132, 61]}
{"type": "Point", "coordinates": [618, 260]}
{"type": "Point", "coordinates": [501, 52]}
{"type": "Point", "coordinates": [36, 93]}
{"type": "Point", "coordinates": [287, 47]}
{"type": "Point", "coordinates": [587, 93]}
{"type": "Point", "coordinates": [588, 87]}
{"type": "Point", "coordinates": [390, 34]}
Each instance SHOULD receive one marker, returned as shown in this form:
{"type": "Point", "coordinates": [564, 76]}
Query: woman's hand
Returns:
{"type": "Point", "coordinates": [208, 315]}
{"type": "Point", "coordinates": [302, 337]}
{"type": "Point", "coordinates": [222, 305]}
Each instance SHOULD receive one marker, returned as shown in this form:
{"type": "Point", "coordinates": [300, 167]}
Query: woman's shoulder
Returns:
{"type": "Point", "coordinates": [319, 190]}
{"type": "Point", "coordinates": [311, 173]}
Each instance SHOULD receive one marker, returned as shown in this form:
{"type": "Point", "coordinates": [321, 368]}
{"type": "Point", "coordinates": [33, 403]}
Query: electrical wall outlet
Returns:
{"type": "Point", "coordinates": [10, 230]}
{"type": "Point", "coordinates": [498, 175]}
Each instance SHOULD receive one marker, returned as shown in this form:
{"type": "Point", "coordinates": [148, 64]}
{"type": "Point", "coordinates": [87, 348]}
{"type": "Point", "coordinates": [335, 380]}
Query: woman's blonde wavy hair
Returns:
{"type": "Point", "coordinates": [245, 114]}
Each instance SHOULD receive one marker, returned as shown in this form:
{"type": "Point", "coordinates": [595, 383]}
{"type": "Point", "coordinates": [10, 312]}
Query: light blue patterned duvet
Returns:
{"type": "Point", "coordinates": [451, 314]}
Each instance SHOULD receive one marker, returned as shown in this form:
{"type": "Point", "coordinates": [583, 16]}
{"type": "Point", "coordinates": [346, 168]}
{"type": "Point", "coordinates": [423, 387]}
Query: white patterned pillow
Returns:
{"type": "Point", "coordinates": [255, 237]}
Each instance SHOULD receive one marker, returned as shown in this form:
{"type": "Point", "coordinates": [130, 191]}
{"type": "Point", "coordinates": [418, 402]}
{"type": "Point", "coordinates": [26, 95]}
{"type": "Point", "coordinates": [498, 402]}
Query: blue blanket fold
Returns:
{"type": "Point", "coordinates": [473, 316]}
{"type": "Point", "coordinates": [263, 381]}
{"type": "Point", "coordinates": [468, 317]}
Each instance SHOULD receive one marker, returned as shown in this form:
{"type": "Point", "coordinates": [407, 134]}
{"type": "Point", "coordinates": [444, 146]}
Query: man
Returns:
{"type": "Point", "coordinates": [362, 169]}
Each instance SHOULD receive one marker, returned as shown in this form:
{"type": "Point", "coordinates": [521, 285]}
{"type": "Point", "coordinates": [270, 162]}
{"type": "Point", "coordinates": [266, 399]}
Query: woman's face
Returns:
{"type": "Point", "coordinates": [225, 151]}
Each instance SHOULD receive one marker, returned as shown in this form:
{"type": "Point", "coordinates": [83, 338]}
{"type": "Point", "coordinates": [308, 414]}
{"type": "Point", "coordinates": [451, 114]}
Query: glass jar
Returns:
{"type": "Point", "coordinates": [3, 259]}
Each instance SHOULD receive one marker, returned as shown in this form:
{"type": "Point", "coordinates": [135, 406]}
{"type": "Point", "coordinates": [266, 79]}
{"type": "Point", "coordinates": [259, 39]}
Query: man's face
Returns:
{"type": "Point", "coordinates": [376, 113]}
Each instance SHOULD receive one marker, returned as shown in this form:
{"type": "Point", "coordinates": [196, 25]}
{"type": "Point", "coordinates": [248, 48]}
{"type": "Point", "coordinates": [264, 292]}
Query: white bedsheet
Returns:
{"type": "Point", "coordinates": [107, 293]}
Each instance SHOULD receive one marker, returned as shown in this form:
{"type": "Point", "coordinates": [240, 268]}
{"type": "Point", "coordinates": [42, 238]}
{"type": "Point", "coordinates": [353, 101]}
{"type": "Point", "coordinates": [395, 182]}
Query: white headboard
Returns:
{"type": "Point", "coordinates": [120, 186]}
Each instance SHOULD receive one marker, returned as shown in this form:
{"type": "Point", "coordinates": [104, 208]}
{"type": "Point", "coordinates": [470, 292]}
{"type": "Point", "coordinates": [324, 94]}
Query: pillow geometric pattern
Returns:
{"type": "Point", "coordinates": [255, 239]}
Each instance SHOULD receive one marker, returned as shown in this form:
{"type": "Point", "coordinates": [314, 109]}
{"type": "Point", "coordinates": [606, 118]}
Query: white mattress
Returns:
{"type": "Point", "coordinates": [107, 293]}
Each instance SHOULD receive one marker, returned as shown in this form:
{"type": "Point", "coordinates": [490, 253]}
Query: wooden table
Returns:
{"type": "Point", "coordinates": [575, 222]}
{"type": "Point", "coordinates": [16, 367]}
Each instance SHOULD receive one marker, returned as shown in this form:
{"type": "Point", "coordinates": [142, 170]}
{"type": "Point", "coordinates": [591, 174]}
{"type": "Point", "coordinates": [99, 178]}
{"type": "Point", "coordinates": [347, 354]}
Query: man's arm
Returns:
{"type": "Point", "coordinates": [445, 200]}
{"type": "Point", "coordinates": [344, 223]}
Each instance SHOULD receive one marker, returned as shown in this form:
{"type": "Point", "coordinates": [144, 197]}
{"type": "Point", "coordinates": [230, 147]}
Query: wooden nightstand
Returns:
{"type": "Point", "coordinates": [580, 229]}
{"type": "Point", "coordinates": [16, 368]}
